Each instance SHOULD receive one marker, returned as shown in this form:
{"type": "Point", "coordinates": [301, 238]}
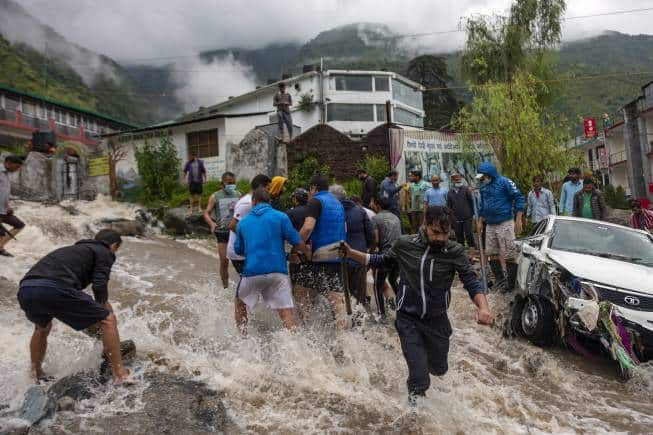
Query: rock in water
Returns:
{"type": "Point", "coordinates": [37, 406]}
{"type": "Point", "coordinates": [125, 227]}
{"type": "Point", "coordinates": [66, 404]}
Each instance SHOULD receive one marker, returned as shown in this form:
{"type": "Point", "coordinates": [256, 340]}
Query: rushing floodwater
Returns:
{"type": "Point", "coordinates": [169, 300]}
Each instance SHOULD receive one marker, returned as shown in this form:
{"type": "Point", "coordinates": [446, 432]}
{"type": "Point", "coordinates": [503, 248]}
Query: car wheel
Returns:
{"type": "Point", "coordinates": [537, 321]}
{"type": "Point", "coordinates": [515, 319]}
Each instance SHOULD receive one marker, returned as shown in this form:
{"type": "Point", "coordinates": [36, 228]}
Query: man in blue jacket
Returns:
{"type": "Point", "coordinates": [325, 225]}
{"type": "Point", "coordinates": [499, 197]}
{"type": "Point", "coordinates": [427, 263]}
{"type": "Point", "coordinates": [260, 238]}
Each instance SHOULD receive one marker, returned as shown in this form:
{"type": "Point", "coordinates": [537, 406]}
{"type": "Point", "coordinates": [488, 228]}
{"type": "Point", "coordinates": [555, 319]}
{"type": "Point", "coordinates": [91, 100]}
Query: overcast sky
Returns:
{"type": "Point", "coordinates": [137, 29]}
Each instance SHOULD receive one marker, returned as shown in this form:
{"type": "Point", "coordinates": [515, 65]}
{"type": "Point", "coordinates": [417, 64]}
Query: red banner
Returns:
{"type": "Point", "coordinates": [590, 127]}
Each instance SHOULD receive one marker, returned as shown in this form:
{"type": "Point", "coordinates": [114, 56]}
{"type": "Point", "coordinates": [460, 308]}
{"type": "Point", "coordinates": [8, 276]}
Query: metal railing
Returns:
{"type": "Point", "coordinates": [617, 157]}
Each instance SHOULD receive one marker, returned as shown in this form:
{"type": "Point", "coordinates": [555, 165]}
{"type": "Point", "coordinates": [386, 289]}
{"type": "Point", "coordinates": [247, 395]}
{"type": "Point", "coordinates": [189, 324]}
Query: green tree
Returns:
{"type": "Point", "coordinates": [376, 165]}
{"type": "Point", "coordinates": [439, 104]}
{"type": "Point", "coordinates": [524, 140]}
{"type": "Point", "coordinates": [158, 167]}
{"type": "Point", "coordinates": [498, 47]}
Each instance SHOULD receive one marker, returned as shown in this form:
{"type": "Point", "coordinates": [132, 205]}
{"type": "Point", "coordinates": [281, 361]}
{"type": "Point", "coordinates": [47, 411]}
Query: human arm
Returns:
{"type": "Point", "coordinates": [207, 213]}
{"type": "Point", "coordinates": [292, 236]}
{"type": "Point", "coordinates": [239, 242]}
{"type": "Point", "coordinates": [275, 100]}
{"type": "Point", "coordinates": [233, 224]}
{"type": "Point", "coordinates": [475, 289]}
{"type": "Point", "coordinates": [374, 260]}
{"type": "Point", "coordinates": [101, 271]}
{"type": "Point", "coordinates": [313, 214]}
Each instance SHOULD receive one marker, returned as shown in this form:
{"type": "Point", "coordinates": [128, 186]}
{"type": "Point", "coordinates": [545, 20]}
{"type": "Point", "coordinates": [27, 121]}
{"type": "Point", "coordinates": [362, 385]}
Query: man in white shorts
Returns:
{"type": "Point", "coordinates": [260, 238]}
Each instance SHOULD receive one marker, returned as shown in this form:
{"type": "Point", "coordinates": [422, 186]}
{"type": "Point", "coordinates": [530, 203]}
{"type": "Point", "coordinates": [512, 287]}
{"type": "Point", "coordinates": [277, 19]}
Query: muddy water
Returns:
{"type": "Point", "coordinates": [169, 300]}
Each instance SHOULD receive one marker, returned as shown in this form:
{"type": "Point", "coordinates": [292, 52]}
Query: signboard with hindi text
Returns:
{"type": "Point", "coordinates": [98, 166]}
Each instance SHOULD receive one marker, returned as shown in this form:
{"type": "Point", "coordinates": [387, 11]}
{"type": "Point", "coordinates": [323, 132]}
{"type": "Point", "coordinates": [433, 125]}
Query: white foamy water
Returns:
{"type": "Point", "coordinates": [169, 300]}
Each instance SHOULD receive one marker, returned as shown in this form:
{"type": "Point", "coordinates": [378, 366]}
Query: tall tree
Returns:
{"type": "Point", "coordinates": [440, 103]}
{"type": "Point", "coordinates": [509, 117]}
{"type": "Point", "coordinates": [499, 46]}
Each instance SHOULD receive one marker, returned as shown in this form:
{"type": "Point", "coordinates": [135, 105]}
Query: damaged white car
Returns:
{"type": "Point", "coordinates": [588, 285]}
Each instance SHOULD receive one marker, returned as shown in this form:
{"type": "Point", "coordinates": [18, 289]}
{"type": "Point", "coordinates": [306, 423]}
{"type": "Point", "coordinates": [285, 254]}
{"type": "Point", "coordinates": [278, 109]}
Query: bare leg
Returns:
{"type": "Point", "coordinates": [387, 291]}
{"type": "Point", "coordinates": [37, 347]}
{"type": "Point", "coordinates": [6, 238]}
{"type": "Point", "coordinates": [241, 316]}
{"type": "Point", "coordinates": [223, 264]}
{"type": "Point", "coordinates": [287, 318]}
{"type": "Point", "coordinates": [338, 309]}
{"type": "Point", "coordinates": [111, 342]}
{"type": "Point", "coordinates": [302, 296]}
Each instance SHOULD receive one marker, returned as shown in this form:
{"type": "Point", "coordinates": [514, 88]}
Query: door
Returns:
{"type": "Point", "coordinates": [528, 246]}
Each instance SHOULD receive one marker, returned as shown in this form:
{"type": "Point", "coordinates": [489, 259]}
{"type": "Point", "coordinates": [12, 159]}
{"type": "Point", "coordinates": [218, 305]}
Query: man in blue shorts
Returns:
{"type": "Point", "coordinates": [53, 289]}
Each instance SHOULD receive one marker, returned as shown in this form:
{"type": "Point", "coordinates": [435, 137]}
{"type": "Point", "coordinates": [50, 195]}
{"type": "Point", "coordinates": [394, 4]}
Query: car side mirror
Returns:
{"type": "Point", "coordinates": [535, 242]}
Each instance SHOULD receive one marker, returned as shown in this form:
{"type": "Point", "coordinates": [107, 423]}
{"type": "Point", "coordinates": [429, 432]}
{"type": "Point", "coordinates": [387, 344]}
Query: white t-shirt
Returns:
{"type": "Point", "coordinates": [241, 209]}
{"type": "Point", "coordinates": [370, 213]}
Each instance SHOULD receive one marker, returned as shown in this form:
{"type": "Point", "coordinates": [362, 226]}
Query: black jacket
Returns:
{"type": "Point", "coordinates": [426, 275]}
{"type": "Point", "coordinates": [369, 190]}
{"type": "Point", "coordinates": [86, 262]}
{"type": "Point", "coordinates": [459, 200]}
{"type": "Point", "coordinates": [360, 231]}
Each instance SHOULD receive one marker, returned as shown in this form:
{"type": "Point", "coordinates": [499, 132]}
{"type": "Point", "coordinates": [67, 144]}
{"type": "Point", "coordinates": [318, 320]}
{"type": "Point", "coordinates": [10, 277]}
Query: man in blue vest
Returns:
{"type": "Point", "coordinates": [325, 225]}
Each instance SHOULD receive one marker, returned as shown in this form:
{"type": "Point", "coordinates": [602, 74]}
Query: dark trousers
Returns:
{"type": "Point", "coordinates": [425, 345]}
{"type": "Point", "coordinates": [380, 275]}
{"type": "Point", "coordinates": [284, 118]}
{"type": "Point", "coordinates": [463, 230]}
{"type": "Point", "coordinates": [416, 219]}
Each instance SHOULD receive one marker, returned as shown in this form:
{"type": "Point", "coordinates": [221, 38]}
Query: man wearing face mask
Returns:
{"type": "Point", "coordinates": [499, 197]}
{"type": "Point", "coordinates": [218, 215]}
{"type": "Point", "coordinates": [427, 262]}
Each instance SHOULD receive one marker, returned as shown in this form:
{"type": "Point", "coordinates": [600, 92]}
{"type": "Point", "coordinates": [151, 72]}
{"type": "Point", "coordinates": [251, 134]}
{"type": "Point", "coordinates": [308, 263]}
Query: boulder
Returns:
{"type": "Point", "coordinates": [125, 227]}
{"type": "Point", "coordinates": [177, 221]}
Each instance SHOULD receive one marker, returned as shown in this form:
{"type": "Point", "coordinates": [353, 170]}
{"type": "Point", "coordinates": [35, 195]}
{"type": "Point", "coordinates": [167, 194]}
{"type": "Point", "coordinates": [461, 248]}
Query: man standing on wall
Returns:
{"type": "Point", "coordinates": [196, 175]}
{"type": "Point", "coordinates": [218, 215]}
{"type": "Point", "coordinates": [282, 101]}
{"type": "Point", "coordinates": [7, 216]}
{"type": "Point", "coordinates": [417, 189]}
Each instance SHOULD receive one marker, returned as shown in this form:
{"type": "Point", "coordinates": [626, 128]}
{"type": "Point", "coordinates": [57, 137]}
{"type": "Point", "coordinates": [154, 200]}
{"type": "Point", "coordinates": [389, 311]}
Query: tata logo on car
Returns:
{"type": "Point", "coordinates": [631, 300]}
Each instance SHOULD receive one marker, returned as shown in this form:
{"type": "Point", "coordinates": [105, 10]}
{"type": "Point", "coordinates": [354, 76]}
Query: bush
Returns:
{"type": "Point", "coordinates": [300, 176]}
{"type": "Point", "coordinates": [608, 194]}
{"type": "Point", "coordinates": [377, 166]}
{"type": "Point", "coordinates": [353, 187]}
{"type": "Point", "coordinates": [158, 167]}
{"type": "Point", "coordinates": [620, 200]}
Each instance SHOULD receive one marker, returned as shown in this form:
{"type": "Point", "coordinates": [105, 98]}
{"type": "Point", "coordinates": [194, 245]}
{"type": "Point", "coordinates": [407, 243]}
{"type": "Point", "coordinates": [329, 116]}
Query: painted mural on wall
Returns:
{"type": "Point", "coordinates": [436, 153]}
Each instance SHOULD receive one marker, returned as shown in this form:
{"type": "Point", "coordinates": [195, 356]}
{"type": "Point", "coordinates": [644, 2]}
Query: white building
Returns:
{"type": "Point", "coordinates": [353, 102]}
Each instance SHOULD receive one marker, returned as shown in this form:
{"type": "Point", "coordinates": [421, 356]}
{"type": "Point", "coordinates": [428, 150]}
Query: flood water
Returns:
{"type": "Point", "coordinates": [169, 300]}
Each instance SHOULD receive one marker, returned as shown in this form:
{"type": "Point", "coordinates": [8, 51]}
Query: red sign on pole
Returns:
{"type": "Point", "coordinates": [590, 127]}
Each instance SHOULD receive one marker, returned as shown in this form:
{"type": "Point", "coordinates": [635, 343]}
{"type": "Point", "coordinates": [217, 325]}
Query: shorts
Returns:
{"type": "Point", "coordinates": [239, 265]}
{"type": "Point", "coordinates": [324, 277]}
{"type": "Point", "coordinates": [299, 274]}
{"type": "Point", "coordinates": [222, 236]}
{"type": "Point", "coordinates": [273, 287]}
{"type": "Point", "coordinates": [11, 220]}
{"type": "Point", "coordinates": [195, 188]}
{"type": "Point", "coordinates": [500, 240]}
{"type": "Point", "coordinates": [357, 279]}
{"type": "Point", "coordinates": [73, 307]}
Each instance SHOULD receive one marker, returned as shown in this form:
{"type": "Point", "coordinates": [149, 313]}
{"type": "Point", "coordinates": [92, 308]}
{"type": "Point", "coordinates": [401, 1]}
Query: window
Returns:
{"type": "Point", "coordinates": [350, 112]}
{"type": "Point", "coordinates": [10, 104]}
{"type": "Point", "coordinates": [28, 108]}
{"type": "Point", "coordinates": [405, 117]}
{"type": "Point", "coordinates": [353, 83]}
{"type": "Point", "coordinates": [381, 114]}
{"type": "Point", "coordinates": [406, 94]}
{"type": "Point", "coordinates": [381, 84]}
{"type": "Point", "coordinates": [203, 143]}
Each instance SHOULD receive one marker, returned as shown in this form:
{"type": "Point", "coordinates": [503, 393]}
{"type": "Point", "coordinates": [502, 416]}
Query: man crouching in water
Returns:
{"type": "Point", "coordinates": [53, 288]}
{"type": "Point", "coordinates": [427, 262]}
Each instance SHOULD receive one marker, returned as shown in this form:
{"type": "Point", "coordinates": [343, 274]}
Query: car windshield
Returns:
{"type": "Point", "coordinates": [595, 238]}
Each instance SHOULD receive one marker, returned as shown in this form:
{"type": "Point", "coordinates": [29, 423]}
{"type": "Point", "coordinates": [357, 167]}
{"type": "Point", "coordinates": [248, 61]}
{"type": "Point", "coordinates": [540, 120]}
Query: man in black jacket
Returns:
{"type": "Point", "coordinates": [461, 203]}
{"type": "Point", "coordinates": [53, 289]}
{"type": "Point", "coordinates": [369, 187]}
{"type": "Point", "coordinates": [427, 263]}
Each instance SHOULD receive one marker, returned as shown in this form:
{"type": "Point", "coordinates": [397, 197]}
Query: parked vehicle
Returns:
{"type": "Point", "coordinates": [587, 284]}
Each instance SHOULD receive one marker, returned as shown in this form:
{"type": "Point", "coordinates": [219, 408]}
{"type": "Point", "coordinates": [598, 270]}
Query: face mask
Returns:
{"type": "Point", "coordinates": [458, 184]}
{"type": "Point", "coordinates": [437, 245]}
{"type": "Point", "coordinates": [230, 188]}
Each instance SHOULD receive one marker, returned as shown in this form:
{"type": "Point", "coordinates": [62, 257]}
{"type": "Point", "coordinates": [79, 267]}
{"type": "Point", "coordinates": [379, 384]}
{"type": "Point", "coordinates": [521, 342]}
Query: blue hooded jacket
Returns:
{"type": "Point", "coordinates": [260, 238]}
{"type": "Point", "coordinates": [499, 197]}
